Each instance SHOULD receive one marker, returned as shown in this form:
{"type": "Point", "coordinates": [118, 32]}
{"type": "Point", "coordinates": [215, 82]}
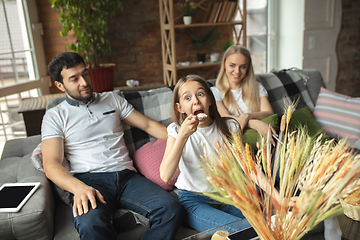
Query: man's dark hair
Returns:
{"type": "Point", "coordinates": [62, 61]}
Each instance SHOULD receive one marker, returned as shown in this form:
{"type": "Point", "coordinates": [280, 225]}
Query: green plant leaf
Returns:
{"type": "Point", "coordinates": [88, 19]}
{"type": "Point", "coordinates": [202, 40]}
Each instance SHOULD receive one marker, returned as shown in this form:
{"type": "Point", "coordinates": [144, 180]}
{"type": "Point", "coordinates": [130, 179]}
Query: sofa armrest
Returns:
{"type": "Point", "coordinates": [36, 218]}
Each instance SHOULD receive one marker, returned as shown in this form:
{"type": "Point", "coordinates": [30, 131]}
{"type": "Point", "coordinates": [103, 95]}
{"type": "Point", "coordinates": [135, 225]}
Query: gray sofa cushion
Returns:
{"type": "Point", "coordinates": [35, 219]}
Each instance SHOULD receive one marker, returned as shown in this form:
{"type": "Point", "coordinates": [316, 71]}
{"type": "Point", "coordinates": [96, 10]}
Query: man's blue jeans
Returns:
{"type": "Point", "coordinates": [128, 189]}
{"type": "Point", "coordinates": [203, 213]}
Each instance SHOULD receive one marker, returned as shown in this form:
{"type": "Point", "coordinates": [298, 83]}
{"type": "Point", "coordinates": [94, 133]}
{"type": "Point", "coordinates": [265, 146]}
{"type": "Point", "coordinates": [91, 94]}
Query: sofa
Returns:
{"type": "Point", "coordinates": [48, 216]}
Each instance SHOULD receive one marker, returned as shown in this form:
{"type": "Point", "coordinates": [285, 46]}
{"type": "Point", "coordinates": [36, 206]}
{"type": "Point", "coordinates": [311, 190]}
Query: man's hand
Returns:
{"type": "Point", "coordinates": [82, 198]}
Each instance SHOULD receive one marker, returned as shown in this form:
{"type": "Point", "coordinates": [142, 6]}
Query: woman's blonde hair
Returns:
{"type": "Point", "coordinates": [250, 90]}
{"type": "Point", "coordinates": [179, 118]}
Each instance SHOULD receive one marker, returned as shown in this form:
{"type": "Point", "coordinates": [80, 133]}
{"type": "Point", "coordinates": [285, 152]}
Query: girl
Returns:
{"type": "Point", "coordinates": [188, 136]}
{"type": "Point", "coordinates": [239, 95]}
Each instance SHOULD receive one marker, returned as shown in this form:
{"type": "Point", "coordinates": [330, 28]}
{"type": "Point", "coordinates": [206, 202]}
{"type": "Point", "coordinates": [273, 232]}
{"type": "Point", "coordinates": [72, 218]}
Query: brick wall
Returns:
{"type": "Point", "coordinates": [53, 43]}
{"type": "Point", "coordinates": [348, 50]}
{"type": "Point", "coordinates": [135, 41]}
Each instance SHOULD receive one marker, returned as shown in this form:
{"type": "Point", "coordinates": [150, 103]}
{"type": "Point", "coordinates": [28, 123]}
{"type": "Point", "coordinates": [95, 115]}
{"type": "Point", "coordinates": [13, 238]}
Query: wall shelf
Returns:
{"type": "Point", "coordinates": [196, 65]}
{"type": "Point", "coordinates": [207, 24]}
{"type": "Point", "coordinates": [168, 26]}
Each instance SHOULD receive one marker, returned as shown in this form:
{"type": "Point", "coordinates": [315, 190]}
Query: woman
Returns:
{"type": "Point", "coordinates": [239, 95]}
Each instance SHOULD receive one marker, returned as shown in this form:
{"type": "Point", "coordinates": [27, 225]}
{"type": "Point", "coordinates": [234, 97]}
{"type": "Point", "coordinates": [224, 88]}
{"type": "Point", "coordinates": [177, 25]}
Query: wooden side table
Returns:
{"type": "Point", "coordinates": [33, 110]}
{"type": "Point", "coordinates": [143, 87]}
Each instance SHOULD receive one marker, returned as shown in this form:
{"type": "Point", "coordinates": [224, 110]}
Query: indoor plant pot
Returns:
{"type": "Point", "coordinates": [187, 9]}
{"type": "Point", "coordinates": [201, 57]}
{"type": "Point", "coordinates": [202, 40]}
{"type": "Point", "coordinates": [187, 20]}
{"type": "Point", "coordinates": [102, 78]}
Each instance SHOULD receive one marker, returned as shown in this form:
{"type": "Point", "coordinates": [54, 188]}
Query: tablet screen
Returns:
{"type": "Point", "coordinates": [13, 196]}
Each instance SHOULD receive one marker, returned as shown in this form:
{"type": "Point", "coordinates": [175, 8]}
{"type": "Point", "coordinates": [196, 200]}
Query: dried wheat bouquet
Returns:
{"type": "Point", "coordinates": [319, 174]}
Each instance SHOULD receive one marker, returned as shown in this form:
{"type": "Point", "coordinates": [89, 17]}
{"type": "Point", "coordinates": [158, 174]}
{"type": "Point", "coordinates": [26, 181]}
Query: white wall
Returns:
{"type": "Point", "coordinates": [286, 34]}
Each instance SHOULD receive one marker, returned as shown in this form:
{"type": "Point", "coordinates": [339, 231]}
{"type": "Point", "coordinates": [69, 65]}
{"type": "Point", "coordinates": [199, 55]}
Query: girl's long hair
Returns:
{"type": "Point", "coordinates": [250, 90]}
{"type": "Point", "coordinates": [179, 118]}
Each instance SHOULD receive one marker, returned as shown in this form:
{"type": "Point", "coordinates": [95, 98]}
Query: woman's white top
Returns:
{"type": "Point", "coordinates": [191, 177]}
{"type": "Point", "coordinates": [237, 93]}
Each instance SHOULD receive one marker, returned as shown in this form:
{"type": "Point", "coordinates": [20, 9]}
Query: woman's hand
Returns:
{"type": "Point", "coordinates": [262, 128]}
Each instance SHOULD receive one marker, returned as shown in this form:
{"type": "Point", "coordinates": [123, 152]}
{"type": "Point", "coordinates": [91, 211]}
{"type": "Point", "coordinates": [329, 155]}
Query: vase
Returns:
{"type": "Point", "coordinates": [187, 20]}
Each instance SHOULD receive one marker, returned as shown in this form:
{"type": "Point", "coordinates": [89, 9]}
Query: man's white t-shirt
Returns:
{"type": "Point", "coordinates": [237, 93]}
{"type": "Point", "coordinates": [93, 133]}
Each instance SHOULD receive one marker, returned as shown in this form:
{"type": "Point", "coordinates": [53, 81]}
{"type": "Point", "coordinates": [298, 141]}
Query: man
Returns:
{"type": "Point", "coordinates": [87, 129]}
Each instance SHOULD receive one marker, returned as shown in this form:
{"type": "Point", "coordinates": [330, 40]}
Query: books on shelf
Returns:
{"type": "Point", "coordinates": [232, 11]}
{"type": "Point", "coordinates": [222, 11]}
{"type": "Point", "coordinates": [218, 12]}
{"type": "Point", "coordinates": [213, 12]}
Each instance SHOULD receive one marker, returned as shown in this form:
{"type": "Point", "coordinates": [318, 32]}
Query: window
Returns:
{"type": "Point", "coordinates": [257, 33]}
{"type": "Point", "coordinates": [19, 77]}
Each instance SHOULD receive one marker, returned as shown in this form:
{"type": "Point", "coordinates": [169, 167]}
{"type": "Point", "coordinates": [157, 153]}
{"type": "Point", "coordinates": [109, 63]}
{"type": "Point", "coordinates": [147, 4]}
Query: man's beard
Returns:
{"type": "Point", "coordinates": [78, 97]}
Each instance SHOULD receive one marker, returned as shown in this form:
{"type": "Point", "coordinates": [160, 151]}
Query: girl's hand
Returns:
{"type": "Point", "coordinates": [189, 126]}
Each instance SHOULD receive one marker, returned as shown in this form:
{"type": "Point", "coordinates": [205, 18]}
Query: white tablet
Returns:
{"type": "Point", "coordinates": [14, 195]}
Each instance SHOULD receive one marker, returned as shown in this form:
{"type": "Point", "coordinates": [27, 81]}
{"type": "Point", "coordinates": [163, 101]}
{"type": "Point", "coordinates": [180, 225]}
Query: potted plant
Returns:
{"type": "Point", "coordinates": [88, 19]}
{"type": "Point", "coordinates": [227, 44]}
{"type": "Point", "coordinates": [202, 40]}
{"type": "Point", "coordinates": [187, 9]}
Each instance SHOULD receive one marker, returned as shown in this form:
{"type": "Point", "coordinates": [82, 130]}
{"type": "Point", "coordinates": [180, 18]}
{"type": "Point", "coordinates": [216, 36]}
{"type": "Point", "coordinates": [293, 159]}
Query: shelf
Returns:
{"type": "Point", "coordinates": [168, 27]}
{"type": "Point", "coordinates": [196, 65]}
{"type": "Point", "coordinates": [207, 24]}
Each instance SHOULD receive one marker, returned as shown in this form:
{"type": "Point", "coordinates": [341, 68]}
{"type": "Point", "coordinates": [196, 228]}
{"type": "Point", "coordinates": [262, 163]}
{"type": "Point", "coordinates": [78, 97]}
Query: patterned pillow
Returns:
{"type": "Point", "coordinates": [147, 160]}
{"type": "Point", "coordinates": [338, 115]}
{"type": "Point", "coordinates": [155, 104]}
{"type": "Point", "coordinates": [286, 83]}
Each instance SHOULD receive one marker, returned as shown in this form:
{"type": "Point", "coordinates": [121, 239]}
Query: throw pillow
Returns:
{"type": "Point", "coordinates": [338, 115]}
{"type": "Point", "coordinates": [289, 84]}
{"type": "Point", "coordinates": [36, 159]}
{"type": "Point", "coordinates": [155, 104]}
{"type": "Point", "coordinates": [251, 136]}
{"type": "Point", "coordinates": [147, 160]}
{"type": "Point", "coordinates": [303, 117]}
